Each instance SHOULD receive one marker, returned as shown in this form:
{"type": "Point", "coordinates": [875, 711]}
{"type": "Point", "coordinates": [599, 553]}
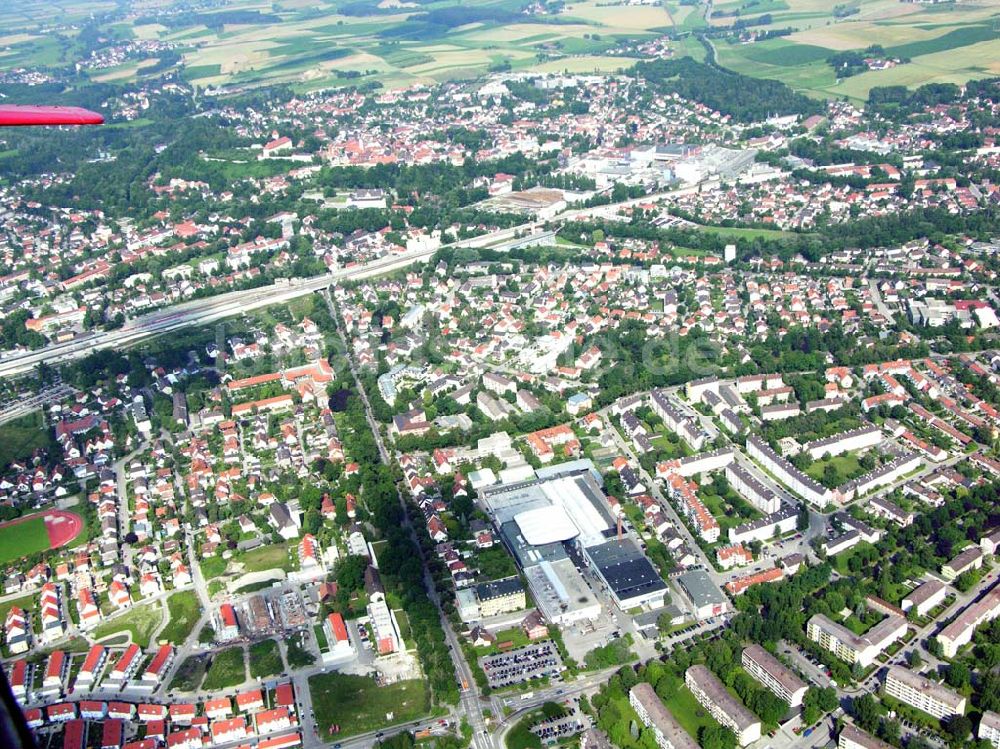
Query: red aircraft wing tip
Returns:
{"type": "Point", "coordinates": [12, 115]}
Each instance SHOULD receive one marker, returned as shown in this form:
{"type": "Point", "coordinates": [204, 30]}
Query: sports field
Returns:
{"type": "Point", "coordinates": [39, 532]}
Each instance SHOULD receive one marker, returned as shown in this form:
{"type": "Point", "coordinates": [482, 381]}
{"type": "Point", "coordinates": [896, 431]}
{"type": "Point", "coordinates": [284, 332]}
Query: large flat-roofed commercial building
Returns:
{"type": "Point", "coordinates": [989, 728]}
{"type": "Point", "coordinates": [544, 521]}
{"type": "Point", "coordinates": [852, 737]}
{"type": "Point", "coordinates": [960, 631]}
{"type": "Point", "coordinates": [923, 694]}
{"type": "Point", "coordinates": [714, 697]}
{"type": "Point", "coordinates": [707, 599]}
{"type": "Point", "coordinates": [654, 714]}
{"type": "Point", "coordinates": [627, 574]}
{"type": "Point", "coordinates": [851, 647]}
{"type": "Point", "coordinates": [774, 675]}
{"type": "Point", "coordinates": [500, 596]}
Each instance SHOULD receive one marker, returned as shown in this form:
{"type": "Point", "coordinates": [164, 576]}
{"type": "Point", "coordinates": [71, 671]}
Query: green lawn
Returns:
{"type": "Point", "coordinates": [185, 610]}
{"type": "Point", "coordinates": [358, 705]}
{"type": "Point", "coordinates": [298, 656]}
{"type": "Point", "coordinates": [514, 635]}
{"type": "Point", "coordinates": [190, 673]}
{"type": "Point", "coordinates": [226, 670]}
{"type": "Point", "coordinates": [265, 659]}
{"type": "Point", "coordinates": [23, 538]}
{"type": "Point", "coordinates": [140, 623]}
{"type": "Point", "coordinates": [267, 558]}
{"type": "Point", "coordinates": [847, 467]}
{"type": "Point", "coordinates": [21, 437]}
{"type": "Point", "coordinates": [212, 567]}
{"type": "Point", "coordinates": [688, 712]}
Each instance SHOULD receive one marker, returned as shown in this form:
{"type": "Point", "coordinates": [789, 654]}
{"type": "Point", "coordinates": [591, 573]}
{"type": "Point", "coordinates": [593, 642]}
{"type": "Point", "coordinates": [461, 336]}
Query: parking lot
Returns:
{"type": "Point", "coordinates": [554, 729]}
{"type": "Point", "coordinates": [521, 665]}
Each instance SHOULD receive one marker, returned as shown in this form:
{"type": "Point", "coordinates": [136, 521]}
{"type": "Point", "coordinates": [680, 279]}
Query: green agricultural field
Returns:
{"type": "Point", "coordinates": [185, 610]}
{"type": "Point", "coordinates": [312, 46]}
{"type": "Point", "coordinates": [140, 622]}
{"type": "Point", "coordinates": [943, 44]}
{"type": "Point", "coordinates": [358, 705]}
{"type": "Point", "coordinates": [265, 659]}
{"type": "Point", "coordinates": [23, 538]}
{"type": "Point", "coordinates": [227, 669]}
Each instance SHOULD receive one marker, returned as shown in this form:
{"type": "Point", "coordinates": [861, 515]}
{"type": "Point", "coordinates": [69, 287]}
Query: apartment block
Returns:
{"type": "Point", "coordinates": [852, 737]}
{"type": "Point", "coordinates": [923, 694]}
{"type": "Point", "coordinates": [852, 648]}
{"type": "Point", "coordinates": [774, 675]}
{"type": "Point", "coordinates": [714, 697]}
{"type": "Point", "coordinates": [654, 715]}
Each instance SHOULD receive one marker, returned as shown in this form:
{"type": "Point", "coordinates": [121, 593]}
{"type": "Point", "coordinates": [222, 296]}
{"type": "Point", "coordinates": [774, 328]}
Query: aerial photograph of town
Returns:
{"type": "Point", "coordinates": [500, 374]}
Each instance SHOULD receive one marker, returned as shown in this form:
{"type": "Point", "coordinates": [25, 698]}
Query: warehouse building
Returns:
{"type": "Point", "coordinates": [706, 598]}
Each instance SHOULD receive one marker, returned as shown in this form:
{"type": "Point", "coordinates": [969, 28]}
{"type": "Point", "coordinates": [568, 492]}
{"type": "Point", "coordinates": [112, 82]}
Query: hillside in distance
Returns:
{"type": "Point", "coordinates": [816, 47]}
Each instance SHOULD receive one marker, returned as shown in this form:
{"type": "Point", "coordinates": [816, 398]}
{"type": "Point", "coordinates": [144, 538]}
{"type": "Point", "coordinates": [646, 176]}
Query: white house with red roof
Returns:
{"type": "Point", "coordinates": [228, 729]}
{"type": "Point", "coordinates": [269, 721]}
{"type": "Point", "coordinates": [93, 666]}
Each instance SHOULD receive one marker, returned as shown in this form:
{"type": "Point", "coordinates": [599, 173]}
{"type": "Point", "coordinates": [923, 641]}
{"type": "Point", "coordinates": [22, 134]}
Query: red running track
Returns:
{"type": "Point", "coordinates": [62, 526]}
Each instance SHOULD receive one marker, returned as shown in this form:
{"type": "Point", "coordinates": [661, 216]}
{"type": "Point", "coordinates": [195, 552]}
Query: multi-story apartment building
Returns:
{"type": "Point", "coordinates": [806, 487]}
{"type": "Point", "coordinates": [853, 648]}
{"type": "Point", "coordinates": [852, 737]}
{"type": "Point", "coordinates": [714, 697]}
{"type": "Point", "coordinates": [855, 439]}
{"type": "Point", "coordinates": [923, 694]}
{"type": "Point", "coordinates": [926, 597]}
{"type": "Point", "coordinates": [654, 715]}
{"type": "Point", "coordinates": [989, 728]}
{"type": "Point", "coordinates": [500, 596]}
{"type": "Point", "coordinates": [774, 675]}
{"type": "Point", "coordinates": [752, 490]}
{"type": "Point", "coordinates": [959, 632]}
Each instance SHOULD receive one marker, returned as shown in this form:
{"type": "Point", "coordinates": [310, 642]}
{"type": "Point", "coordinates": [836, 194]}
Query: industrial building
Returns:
{"type": "Point", "coordinates": [706, 598]}
{"type": "Point", "coordinates": [548, 524]}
